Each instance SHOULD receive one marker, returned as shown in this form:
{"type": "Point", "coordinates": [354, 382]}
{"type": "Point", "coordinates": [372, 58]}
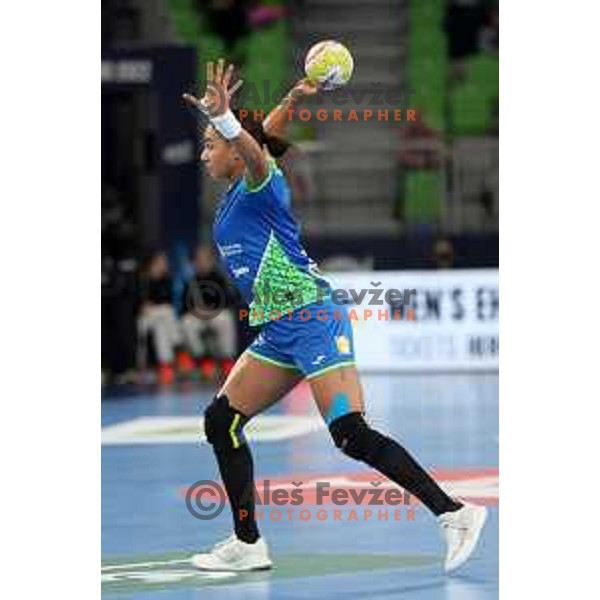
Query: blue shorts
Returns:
{"type": "Point", "coordinates": [313, 339]}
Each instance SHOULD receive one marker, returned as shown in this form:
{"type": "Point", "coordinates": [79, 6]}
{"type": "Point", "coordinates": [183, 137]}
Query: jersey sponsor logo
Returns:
{"type": "Point", "coordinates": [241, 271]}
{"type": "Point", "coordinates": [259, 340]}
{"type": "Point", "coordinates": [230, 249]}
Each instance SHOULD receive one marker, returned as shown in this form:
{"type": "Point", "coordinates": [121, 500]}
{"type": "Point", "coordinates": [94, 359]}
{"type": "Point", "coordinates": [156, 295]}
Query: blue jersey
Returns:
{"type": "Point", "coordinates": [259, 241]}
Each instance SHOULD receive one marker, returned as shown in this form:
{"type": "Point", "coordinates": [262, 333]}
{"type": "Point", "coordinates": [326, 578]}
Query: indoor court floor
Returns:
{"type": "Point", "coordinates": [153, 451]}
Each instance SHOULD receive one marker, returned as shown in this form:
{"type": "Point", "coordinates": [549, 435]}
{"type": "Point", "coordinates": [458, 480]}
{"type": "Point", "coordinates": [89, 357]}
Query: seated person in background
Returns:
{"type": "Point", "coordinates": [157, 317]}
{"type": "Point", "coordinates": [422, 146]}
{"type": "Point", "coordinates": [489, 36]}
{"type": "Point", "coordinates": [443, 254]}
{"type": "Point", "coordinates": [208, 321]}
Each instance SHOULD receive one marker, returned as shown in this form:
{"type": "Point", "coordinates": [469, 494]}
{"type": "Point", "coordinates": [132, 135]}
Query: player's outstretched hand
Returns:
{"type": "Point", "coordinates": [217, 96]}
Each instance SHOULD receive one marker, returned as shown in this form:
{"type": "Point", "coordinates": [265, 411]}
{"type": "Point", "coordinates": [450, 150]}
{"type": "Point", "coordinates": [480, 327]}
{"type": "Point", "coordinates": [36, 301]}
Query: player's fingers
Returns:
{"type": "Point", "coordinates": [219, 73]}
{"type": "Point", "coordinates": [235, 87]}
{"type": "Point", "coordinates": [210, 75]}
{"type": "Point", "coordinates": [227, 77]}
{"type": "Point", "coordinates": [310, 87]}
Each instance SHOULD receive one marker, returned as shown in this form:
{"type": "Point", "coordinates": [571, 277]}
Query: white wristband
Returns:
{"type": "Point", "coordinates": [227, 125]}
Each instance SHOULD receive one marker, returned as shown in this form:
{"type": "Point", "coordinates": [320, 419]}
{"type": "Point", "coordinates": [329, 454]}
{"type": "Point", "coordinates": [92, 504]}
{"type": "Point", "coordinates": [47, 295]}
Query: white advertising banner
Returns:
{"type": "Point", "coordinates": [450, 321]}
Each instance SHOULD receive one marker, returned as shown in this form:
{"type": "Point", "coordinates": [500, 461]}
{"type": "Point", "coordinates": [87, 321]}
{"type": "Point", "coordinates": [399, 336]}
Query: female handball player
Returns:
{"type": "Point", "coordinates": [258, 240]}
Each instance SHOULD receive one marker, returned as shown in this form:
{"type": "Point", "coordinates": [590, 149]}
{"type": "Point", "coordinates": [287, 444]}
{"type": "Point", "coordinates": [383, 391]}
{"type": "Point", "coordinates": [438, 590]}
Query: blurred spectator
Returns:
{"type": "Point", "coordinates": [208, 322]}
{"type": "Point", "coordinates": [422, 147]}
{"type": "Point", "coordinates": [264, 15]}
{"type": "Point", "coordinates": [463, 21]}
{"type": "Point", "coordinates": [489, 37]}
{"type": "Point", "coordinates": [226, 18]}
{"type": "Point", "coordinates": [234, 21]}
{"type": "Point", "coordinates": [157, 318]}
{"type": "Point", "coordinates": [443, 254]}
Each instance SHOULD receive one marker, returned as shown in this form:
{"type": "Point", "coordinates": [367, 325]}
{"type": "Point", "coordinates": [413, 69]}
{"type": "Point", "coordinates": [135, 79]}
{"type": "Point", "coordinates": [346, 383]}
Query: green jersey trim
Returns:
{"type": "Point", "coordinates": [261, 186]}
{"type": "Point", "coordinates": [281, 286]}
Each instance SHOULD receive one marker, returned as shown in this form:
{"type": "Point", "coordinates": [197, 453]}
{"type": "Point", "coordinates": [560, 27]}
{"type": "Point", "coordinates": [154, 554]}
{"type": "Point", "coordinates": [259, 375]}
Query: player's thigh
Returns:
{"type": "Point", "coordinates": [254, 385]}
{"type": "Point", "coordinates": [337, 392]}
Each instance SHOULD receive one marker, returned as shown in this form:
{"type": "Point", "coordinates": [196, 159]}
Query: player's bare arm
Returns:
{"type": "Point", "coordinates": [277, 120]}
{"type": "Point", "coordinates": [216, 104]}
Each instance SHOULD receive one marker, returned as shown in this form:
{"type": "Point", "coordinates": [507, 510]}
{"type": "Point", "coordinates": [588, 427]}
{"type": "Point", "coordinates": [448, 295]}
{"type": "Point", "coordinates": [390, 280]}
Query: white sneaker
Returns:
{"type": "Point", "coordinates": [234, 555]}
{"type": "Point", "coordinates": [461, 530]}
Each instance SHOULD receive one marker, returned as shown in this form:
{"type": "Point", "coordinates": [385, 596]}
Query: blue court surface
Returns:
{"type": "Point", "coordinates": [153, 452]}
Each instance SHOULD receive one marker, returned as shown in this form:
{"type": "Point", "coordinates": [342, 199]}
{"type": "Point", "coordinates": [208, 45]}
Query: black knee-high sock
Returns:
{"type": "Point", "coordinates": [237, 471]}
{"type": "Point", "coordinates": [394, 461]}
{"type": "Point", "coordinates": [225, 431]}
{"type": "Point", "coordinates": [352, 434]}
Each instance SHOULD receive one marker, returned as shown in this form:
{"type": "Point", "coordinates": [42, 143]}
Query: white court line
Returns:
{"type": "Point", "coordinates": [190, 429]}
{"type": "Point", "coordinates": [147, 564]}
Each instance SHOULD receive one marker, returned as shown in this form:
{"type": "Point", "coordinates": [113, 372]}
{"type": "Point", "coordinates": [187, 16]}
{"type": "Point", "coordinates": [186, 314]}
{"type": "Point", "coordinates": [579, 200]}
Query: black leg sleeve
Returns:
{"type": "Point", "coordinates": [355, 438]}
{"type": "Point", "coordinates": [224, 430]}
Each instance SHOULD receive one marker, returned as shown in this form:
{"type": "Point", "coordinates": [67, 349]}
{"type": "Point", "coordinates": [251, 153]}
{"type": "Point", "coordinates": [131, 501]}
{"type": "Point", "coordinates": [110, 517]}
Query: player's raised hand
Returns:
{"type": "Point", "coordinates": [306, 87]}
{"type": "Point", "coordinates": [218, 93]}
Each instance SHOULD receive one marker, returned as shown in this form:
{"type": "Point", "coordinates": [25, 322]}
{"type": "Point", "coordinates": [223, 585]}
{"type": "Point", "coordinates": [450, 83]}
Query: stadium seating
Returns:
{"type": "Point", "coordinates": [465, 108]}
{"type": "Point", "coordinates": [268, 45]}
{"type": "Point", "coordinates": [424, 191]}
{"type": "Point", "coordinates": [428, 68]}
{"type": "Point", "coordinates": [473, 101]}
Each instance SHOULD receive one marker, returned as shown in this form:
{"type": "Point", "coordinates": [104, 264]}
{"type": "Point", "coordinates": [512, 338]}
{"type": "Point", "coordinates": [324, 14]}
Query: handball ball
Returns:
{"type": "Point", "coordinates": [329, 63]}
